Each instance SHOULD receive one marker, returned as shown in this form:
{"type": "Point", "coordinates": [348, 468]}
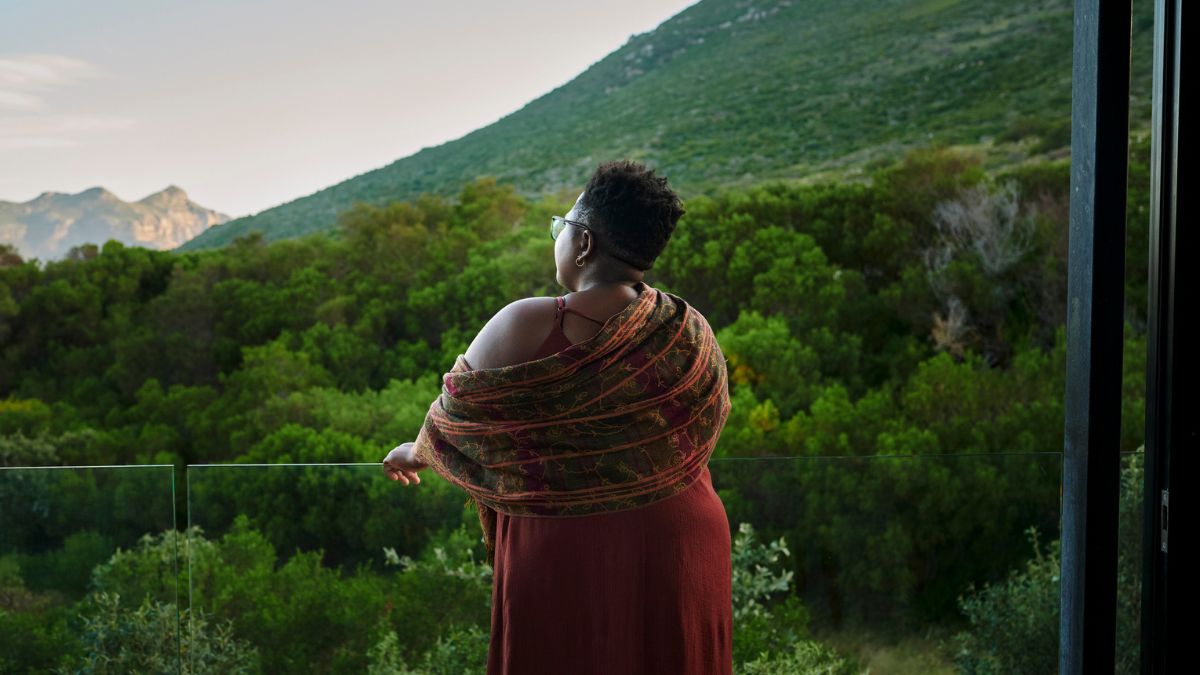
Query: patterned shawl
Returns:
{"type": "Point", "coordinates": [621, 420]}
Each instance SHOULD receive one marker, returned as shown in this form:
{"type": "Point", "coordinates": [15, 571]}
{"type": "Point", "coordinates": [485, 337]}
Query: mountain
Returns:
{"type": "Point", "coordinates": [733, 92]}
{"type": "Point", "coordinates": [47, 226]}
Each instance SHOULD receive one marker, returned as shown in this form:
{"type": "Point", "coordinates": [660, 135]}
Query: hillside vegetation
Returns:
{"type": "Point", "coordinates": [730, 93]}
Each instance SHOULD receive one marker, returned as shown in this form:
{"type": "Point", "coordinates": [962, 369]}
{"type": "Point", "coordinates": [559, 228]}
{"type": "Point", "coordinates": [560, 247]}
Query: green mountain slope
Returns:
{"type": "Point", "coordinates": [732, 92]}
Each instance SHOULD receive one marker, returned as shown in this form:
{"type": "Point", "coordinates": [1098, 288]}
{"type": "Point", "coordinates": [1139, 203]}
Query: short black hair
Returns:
{"type": "Point", "coordinates": [635, 209]}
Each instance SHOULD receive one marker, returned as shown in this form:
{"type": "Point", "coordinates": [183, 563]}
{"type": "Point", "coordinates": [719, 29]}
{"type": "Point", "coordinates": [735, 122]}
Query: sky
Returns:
{"type": "Point", "coordinates": [246, 104]}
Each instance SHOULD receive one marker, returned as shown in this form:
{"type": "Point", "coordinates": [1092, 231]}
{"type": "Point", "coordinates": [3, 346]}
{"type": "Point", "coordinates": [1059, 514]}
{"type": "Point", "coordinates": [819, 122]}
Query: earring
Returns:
{"type": "Point", "coordinates": [579, 261]}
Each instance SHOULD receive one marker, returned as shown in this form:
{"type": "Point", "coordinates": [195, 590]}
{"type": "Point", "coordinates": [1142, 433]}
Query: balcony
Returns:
{"type": "Point", "coordinates": [894, 562]}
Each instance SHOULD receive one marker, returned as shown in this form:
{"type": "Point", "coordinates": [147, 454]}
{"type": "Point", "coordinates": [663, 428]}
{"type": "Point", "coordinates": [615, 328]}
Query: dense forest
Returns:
{"type": "Point", "coordinates": [896, 352]}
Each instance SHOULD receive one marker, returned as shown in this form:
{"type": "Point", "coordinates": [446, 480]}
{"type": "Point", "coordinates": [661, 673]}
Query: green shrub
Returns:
{"type": "Point", "coordinates": [806, 658]}
{"type": "Point", "coordinates": [36, 641]}
{"type": "Point", "coordinates": [772, 638]}
{"type": "Point", "coordinates": [1015, 624]}
{"type": "Point", "coordinates": [300, 614]}
{"type": "Point", "coordinates": [69, 568]}
{"type": "Point", "coordinates": [463, 650]}
{"type": "Point", "coordinates": [148, 639]}
{"type": "Point", "coordinates": [757, 636]}
{"type": "Point", "coordinates": [35, 634]}
{"type": "Point", "coordinates": [753, 581]}
{"type": "Point", "coordinates": [452, 558]}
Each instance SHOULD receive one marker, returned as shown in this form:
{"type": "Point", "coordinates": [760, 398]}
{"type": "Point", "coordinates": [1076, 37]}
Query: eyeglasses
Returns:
{"type": "Point", "coordinates": [558, 224]}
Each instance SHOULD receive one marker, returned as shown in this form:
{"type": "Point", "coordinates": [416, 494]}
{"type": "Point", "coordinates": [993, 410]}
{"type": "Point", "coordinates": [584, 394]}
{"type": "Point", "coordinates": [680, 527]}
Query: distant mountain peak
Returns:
{"type": "Point", "coordinates": [98, 193]}
{"type": "Point", "coordinates": [48, 226]}
{"type": "Point", "coordinates": [171, 194]}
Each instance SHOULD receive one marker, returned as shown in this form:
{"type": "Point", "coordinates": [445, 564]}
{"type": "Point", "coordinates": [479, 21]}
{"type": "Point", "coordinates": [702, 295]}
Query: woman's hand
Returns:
{"type": "Point", "coordinates": [401, 465]}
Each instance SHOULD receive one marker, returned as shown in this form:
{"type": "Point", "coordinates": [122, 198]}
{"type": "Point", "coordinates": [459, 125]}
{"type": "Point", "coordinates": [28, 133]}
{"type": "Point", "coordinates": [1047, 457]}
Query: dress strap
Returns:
{"type": "Point", "coordinates": [560, 301]}
{"type": "Point", "coordinates": [568, 309]}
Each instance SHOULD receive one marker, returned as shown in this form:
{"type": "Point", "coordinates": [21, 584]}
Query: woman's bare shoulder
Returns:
{"type": "Point", "coordinates": [513, 334]}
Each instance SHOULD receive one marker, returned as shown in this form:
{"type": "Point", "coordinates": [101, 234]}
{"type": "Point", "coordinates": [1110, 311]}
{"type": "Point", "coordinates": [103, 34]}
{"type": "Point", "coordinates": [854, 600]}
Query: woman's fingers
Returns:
{"type": "Point", "coordinates": [392, 472]}
{"type": "Point", "coordinates": [406, 477]}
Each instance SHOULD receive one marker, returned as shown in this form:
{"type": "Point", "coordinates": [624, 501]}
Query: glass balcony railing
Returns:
{"type": "Point", "coordinates": [871, 542]}
{"type": "Point", "coordinates": [936, 562]}
{"type": "Point", "coordinates": [75, 582]}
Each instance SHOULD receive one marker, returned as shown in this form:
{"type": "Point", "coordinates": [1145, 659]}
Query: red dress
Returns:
{"type": "Point", "coordinates": [636, 592]}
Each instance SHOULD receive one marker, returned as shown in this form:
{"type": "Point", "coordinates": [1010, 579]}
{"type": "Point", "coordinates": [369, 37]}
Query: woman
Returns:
{"type": "Point", "coordinates": [584, 445]}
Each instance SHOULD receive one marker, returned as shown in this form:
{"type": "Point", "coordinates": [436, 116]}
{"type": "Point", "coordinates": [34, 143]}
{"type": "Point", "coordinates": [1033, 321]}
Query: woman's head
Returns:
{"type": "Point", "coordinates": [629, 214]}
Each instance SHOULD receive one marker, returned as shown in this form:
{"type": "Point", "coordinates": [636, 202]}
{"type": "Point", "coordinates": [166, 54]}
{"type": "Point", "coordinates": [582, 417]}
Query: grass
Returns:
{"type": "Point", "coordinates": [894, 654]}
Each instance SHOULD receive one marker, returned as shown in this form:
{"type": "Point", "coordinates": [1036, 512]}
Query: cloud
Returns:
{"type": "Point", "coordinates": [15, 100]}
{"type": "Point", "coordinates": [18, 143]}
{"type": "Point", "coordinates": [24, 79]}
{"type": "Point", "coordinates": [22, 75]}
{"type": "Point", "coordinates": [52, 131]}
